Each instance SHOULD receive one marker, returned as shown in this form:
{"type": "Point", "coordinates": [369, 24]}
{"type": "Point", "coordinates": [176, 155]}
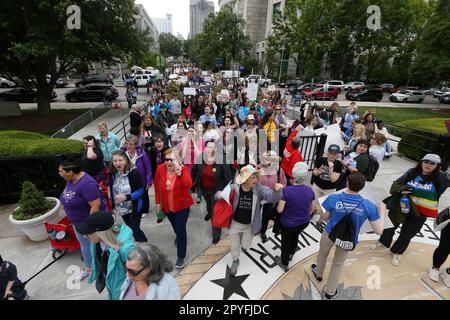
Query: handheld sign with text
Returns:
{"type": "Point", "coordinates": [252, 91]}
{"type": "Point", "coordinates": [189, 91]}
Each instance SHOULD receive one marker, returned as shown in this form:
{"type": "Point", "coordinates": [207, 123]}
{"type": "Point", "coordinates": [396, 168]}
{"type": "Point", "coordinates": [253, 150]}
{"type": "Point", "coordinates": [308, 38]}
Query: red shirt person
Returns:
{"type": "Point", "coordinates": [291, 154]}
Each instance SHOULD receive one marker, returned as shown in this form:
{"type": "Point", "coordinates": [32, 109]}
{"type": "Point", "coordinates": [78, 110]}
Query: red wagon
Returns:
{"type": "Point", "coordinates": [62, 236]}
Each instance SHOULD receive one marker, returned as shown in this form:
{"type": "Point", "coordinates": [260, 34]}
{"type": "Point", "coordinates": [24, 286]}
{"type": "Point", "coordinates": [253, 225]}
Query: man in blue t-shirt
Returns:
{"type": "Point", "coordinates": [336, 207]}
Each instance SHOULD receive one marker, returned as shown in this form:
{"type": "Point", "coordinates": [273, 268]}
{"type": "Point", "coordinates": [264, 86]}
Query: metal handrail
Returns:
{"type": "Point", "coordinates": [61, 132]}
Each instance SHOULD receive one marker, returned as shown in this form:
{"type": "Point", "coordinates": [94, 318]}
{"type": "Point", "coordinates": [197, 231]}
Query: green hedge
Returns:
{"type": "Point", "coordinates": [17, 134]}
{"type": "Point", "coordinates": [420, 137]}
{"type": "Point", "coordinates": [22, 143]}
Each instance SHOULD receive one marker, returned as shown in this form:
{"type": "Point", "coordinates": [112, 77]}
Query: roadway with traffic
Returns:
{"type": "Point", "coordinates": [60, 103]}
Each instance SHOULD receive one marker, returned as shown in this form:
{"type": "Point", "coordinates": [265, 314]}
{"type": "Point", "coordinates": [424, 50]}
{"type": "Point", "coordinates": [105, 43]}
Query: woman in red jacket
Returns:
{"type": "Point", "coordinates": [172, 185]}
{"type": "Point", "coordinates": [291, 154]}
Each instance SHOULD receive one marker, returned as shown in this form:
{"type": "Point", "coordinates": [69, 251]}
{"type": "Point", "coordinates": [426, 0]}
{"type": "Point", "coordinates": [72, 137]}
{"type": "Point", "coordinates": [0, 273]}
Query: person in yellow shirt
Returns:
{"type": "Point", "coordinates": [270, 126]}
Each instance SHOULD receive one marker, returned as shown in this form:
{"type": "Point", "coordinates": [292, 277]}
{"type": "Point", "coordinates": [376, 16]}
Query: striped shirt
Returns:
{"type": "Point", "coordinates": [425, 197]}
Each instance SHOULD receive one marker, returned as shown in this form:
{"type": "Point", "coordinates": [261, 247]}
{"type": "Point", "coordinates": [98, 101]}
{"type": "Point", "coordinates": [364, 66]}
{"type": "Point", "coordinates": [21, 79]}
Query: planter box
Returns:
{"type": "Point", "coordinates": [35, 228]}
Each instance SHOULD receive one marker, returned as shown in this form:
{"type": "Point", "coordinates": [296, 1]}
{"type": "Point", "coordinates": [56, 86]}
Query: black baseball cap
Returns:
{"type": "Point", "coordinates": [334, 148]}
{"type": "Point", "coordinates": [97, 221]}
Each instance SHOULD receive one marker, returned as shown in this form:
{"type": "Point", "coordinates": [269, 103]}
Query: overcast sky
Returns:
{"type": "Point", "coordinates": [179, 10]}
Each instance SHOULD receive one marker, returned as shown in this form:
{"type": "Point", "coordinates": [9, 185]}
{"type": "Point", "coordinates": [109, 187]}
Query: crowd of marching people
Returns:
{"type": "Point", "coordinates": [191, 148]}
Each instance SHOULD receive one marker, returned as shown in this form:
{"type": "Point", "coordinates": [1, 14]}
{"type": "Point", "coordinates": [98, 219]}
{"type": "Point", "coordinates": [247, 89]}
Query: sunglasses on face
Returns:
{"type": "Point", "coordinates": [170, 160]}
{"type": "Point", "coordinates": [135, 273]}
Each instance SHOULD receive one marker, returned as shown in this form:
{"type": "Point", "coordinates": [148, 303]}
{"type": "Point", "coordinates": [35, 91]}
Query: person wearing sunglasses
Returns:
{"type": "Point", "coordinates": [172, 192]}
{"type": "Point", "coordinates": [149, 275]}
{"type": "Point", "coordinates": [110, 244]}
{"type": "Point", "coordinates": [423, 186]}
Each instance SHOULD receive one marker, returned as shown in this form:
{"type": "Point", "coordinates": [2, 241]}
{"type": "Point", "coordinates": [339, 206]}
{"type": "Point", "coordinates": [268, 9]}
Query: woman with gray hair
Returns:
{"type": "Point", "coordinates": [148, 275]}
{"type": "Point", "coordinates": [295, 208]}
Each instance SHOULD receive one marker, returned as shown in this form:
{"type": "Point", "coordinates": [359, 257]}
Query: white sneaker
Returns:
{"type": "Point", "coordinates": [82, 275]}
{"type": "Point", "coordinates": [395, 260]}
{"type": "Point", "coordinates": [446, 277]}
{"type": "Point", "coordinates": [377, 246]}
{"type": "Point", "coordinates": [433, 274]}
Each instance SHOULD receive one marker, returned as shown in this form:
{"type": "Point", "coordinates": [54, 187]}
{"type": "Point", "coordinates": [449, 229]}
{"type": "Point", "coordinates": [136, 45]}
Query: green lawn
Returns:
{"type": "Point", "coordinates": [434, 125]}
{"type": "Point", "coordinates": [396, 115]}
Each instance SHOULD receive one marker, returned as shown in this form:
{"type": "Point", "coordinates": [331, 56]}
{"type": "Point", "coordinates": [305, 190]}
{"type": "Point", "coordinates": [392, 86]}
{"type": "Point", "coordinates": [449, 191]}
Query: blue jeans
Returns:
{"type": "Point", "coordinates": [178, 220]}
{"type": "Point", "coordinates": [85, 248]}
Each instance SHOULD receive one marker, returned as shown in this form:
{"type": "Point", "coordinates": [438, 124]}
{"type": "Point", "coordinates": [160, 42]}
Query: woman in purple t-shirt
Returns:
{"type": "Point", "coordinates": [295, 209]}
{"type": "Point", "coordinates": [80, 198]}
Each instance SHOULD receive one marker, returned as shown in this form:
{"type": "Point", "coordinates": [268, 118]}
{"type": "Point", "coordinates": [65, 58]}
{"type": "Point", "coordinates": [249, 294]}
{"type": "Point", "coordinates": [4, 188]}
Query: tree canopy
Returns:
{"type": "Point", "coordinates": [169, 45]}
{"type": "Point", "coordinates": [36, 40]}
{"type": "Point", "coordinates": [222, 37]}
{"type": "Point", "coordinates": [336, 38]}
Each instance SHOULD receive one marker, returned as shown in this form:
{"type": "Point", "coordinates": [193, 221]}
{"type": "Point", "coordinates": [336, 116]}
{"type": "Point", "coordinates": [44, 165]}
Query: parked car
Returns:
{"type": "Point", "coordinates": [319, 93]}
{"type": "Point", "coordinates": [338, 84]}
{"type": "Point", "coordinates": [94, 79]}
{"type": "Point", "coordinates": [402, 88]}
{"type": "Point", "coordinates": [407, 96]}
{"type": "Point", "coordinates": [445, 98]}
{"type": "Point", "coordinates": [5, 83]}
{"type": "Point", "coordinates": [365, 95]}
{"type": "Point", "coordinates": [61, 82]}
{"type": "Point", "coordinates": [354, 85]}
{"type": "Point", "coordinates": [387, 87]}
{"type": "Point", "coordinates": [440, 93]}
{"type": "Point", "coordinates": [291, 83]}
{"type": "Point", "coordinates": [431, 91]}
{"type": "Point", "coordinates": [91, 92]}
{"type": "Point", "coordinates": [374, 87]}
{"type": "Point", "coordinates": [301, 89]}
{"type": "Point", "coordinates": [23, 95]}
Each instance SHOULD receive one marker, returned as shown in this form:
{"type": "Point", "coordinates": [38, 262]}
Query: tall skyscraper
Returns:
{"type": "Point", "coordinates": [164, 25]}
{"type": "Point", "coordinates": [199, 10]}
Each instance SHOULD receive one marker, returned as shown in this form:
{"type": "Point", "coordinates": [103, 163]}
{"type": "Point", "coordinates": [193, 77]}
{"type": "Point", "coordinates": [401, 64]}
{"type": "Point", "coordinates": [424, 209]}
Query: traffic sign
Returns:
{"type": "Point", "coordinates": [219, 62]}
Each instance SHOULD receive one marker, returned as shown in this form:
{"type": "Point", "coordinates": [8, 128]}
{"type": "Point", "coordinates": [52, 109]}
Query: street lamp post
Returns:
{"type": "Point", "coordinates": [281, 63]}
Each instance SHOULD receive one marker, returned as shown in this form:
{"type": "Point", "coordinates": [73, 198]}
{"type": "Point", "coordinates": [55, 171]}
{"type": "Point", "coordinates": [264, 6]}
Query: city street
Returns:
{"type": "Point", "coordinates": [60, 103]}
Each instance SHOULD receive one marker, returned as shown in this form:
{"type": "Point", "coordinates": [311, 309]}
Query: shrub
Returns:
{"type": "Point", "coordinates": [173, 89]}
{"type": "Point", "coordinates": [29, 144]}
{"type": "Point", "coordinates": [32, 203]}
{"type": "Point", "coordinates": [17, 134]}
{"type": "Point", "coordinates": [420, 137]}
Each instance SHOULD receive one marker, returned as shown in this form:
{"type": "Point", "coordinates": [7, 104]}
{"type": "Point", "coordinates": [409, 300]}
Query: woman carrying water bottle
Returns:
{"type": "Point", "coordinates": [419, 189]}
